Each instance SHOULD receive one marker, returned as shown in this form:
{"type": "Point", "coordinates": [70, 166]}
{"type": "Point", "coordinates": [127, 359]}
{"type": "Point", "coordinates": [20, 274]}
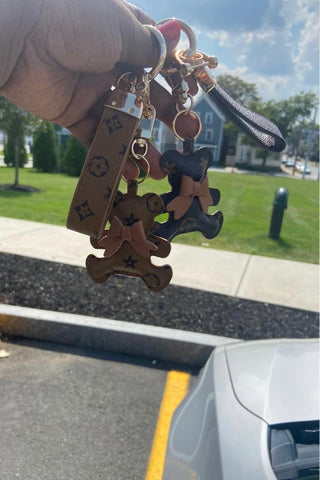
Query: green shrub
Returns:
{"type": "Point", "coordinates": [45, 155]}
{"type": "Point", "coordinates": [74, 157]}
{"type": "Point", "coordinates": [9, 152]}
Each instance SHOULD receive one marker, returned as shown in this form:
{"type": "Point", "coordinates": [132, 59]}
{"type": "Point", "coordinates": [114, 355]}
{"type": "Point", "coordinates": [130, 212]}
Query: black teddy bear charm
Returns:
{"type": "Point", "coordinates": [190, 197]}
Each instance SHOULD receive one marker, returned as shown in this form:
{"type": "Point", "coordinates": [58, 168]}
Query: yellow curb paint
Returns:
{"type": "Point", "coordinates": [175, 390]}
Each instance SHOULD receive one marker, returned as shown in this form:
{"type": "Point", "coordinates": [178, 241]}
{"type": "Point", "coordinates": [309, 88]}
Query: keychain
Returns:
{"type": "Point", "coordinates": [126, 106]}
{"type": "Point", "coordinates": [123, 133]}
{"type": "Point", "coordinates": [190, 196]}
{"type": "Point", "coordinates": [129, 242]}
{"type": "Point", "coordinates": [191, 64]}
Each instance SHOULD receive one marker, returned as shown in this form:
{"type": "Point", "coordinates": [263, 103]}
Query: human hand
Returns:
{"type": "Point", "coordinates": [72, 56]}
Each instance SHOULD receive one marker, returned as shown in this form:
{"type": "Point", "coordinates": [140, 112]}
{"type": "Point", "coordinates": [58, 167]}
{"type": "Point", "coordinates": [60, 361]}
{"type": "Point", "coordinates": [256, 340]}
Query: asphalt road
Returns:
{"type": "Point", "coordinates": [71, 413]}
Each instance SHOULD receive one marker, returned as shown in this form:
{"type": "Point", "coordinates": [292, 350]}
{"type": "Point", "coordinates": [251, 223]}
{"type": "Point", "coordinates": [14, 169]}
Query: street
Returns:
{"type": "Point", "coordinates": [77, 414]}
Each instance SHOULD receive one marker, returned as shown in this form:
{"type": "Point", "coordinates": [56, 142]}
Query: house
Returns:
{"type": "Point", "coordinates": [211, 134]}
{"type": "Point", "coordinates": [212, 120]}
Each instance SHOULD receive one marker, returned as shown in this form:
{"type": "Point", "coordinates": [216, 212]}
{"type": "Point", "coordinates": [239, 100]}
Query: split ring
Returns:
{"type": "Point", "coordinates": [184, 108]}
{"type": "Point", "coordinates": [186, 112]}
{"type": "Point", "coordinates": [140, 143]}
{"type": "Point", "coordinates": [190, 52]}
{"type": "Point", "coordinates": [145, 168]}
{"type": "Point", "coordinates": [163, 51]}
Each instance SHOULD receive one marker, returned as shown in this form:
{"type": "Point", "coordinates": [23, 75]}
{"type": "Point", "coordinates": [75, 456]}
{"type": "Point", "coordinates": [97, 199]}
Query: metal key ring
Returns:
{"type": "Point", "coordinates": [163, 51]}
{"type": "Point", "coordinates": [137, 160]}
{"type": "Point", "coordinates": [190, 52]}
{"type": "Point", "coordinates": [174, 124]}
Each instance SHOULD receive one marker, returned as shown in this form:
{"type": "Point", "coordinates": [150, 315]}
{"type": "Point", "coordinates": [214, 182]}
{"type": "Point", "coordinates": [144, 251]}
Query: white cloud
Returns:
{"type": "Point", "coordinates": [295, 11]}
{"type": "Point", "coordinates": [273, 87]}
{"type": "Point", "coordinates": [282, 61]}
{"type": "Point", "coordinates": [273, 43]}
{"type": "Point", "coordinates": [307, 60]}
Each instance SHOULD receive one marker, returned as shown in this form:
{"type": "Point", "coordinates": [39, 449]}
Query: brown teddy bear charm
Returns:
{"type": "Point", "coordinates": [128, 243]}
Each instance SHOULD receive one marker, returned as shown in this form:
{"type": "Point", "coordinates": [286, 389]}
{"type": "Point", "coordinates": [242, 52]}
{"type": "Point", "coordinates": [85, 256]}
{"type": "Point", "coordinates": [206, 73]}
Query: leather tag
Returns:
{"type": "Point", "coordinates": [102, 170]}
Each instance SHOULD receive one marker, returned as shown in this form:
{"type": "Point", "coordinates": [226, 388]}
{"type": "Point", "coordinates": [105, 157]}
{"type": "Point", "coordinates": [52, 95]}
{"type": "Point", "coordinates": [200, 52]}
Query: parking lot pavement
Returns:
{"type": "Point", "coordinates": [77, 414]}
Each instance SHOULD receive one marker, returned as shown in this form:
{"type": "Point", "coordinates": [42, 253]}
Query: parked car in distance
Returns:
{"type": "Point", "coordinates": [290, 162]}
{"type": "Point", "coordinates": [284, 158]}
{"type": "Point", "coordinates": [252, 413]}
{"type": "Point", "coordinates": [303, 168]}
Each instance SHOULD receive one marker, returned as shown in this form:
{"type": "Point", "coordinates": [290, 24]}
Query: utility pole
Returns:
{"type": "Point", "coordinates": [309, 144]}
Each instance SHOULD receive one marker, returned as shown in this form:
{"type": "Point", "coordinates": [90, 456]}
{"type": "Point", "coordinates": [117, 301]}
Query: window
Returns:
{"type": "Point", "coordinates": [208, 118]}
{"type": "Point", "coordinates": [208, 134]}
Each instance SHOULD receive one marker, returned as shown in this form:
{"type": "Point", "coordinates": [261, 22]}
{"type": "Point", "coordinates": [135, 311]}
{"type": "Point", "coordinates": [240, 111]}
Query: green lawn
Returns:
{"type": "Point", "coordinates": [246, 202]}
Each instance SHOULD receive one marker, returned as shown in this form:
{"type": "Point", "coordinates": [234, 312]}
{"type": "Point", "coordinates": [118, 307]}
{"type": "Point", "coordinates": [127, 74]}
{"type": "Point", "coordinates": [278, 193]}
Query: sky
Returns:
{"type": "Point", "coordinates": [272, 43]}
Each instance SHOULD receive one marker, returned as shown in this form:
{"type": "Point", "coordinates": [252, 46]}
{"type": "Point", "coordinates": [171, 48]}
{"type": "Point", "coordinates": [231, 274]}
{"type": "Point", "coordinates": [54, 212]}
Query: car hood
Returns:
{"type": "Point", "coordinates": [277, 380]}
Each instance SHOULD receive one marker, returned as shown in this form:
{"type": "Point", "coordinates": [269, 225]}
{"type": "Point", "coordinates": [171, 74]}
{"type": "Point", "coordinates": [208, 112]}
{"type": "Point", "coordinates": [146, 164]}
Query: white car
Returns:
{"type": "Point", "coordinates": [305, 169]}
{"type": "Point", "coordinates": [252, 414]}
{"type": "Point", "coordinates": [290, 162]}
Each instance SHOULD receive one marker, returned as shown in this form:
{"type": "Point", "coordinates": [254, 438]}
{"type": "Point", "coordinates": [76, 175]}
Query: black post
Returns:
{"type": "Point", "coordinates": [279, 205]}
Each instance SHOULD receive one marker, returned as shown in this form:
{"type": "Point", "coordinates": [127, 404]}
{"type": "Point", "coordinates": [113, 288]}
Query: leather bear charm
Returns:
{"type": "Point", "coordinates": [128, 244]}
{"type": "Point", "coordinates": [190, 195]}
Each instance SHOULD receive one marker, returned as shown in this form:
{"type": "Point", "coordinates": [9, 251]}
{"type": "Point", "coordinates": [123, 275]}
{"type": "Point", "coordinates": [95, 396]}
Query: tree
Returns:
{"type": "Point", "coordinates": [244, 93]}
{"type": "Point", "coordinates": [16, 123]}
{"type": "Point", "coordinates": [74, 157]}
{"type": "Point", "coordinates": [45, 155]}
{"type": "Point", "coordinates": [9, 152]}
{"type": "Point", "coordinates": [289, 115]}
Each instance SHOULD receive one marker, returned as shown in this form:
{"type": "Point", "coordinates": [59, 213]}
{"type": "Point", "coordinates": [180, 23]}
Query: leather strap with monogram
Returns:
{"type": "Point", "coordinates": [101, 173]}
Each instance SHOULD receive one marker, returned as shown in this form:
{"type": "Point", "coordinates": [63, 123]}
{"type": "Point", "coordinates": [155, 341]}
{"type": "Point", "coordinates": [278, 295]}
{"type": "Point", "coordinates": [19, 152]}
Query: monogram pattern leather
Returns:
{"type": "Point", "coordinates": [129, 244]}
{"type": "Point", "coordinates": [192, 215]}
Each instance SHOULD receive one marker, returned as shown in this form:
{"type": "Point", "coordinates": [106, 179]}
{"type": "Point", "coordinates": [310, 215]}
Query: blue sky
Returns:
{"type": "Point", "coordinates": [272, 43]}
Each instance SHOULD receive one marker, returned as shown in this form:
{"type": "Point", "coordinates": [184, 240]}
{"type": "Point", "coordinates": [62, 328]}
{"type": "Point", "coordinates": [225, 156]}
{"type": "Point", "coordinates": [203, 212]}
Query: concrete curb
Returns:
{"type": "Point", "coordinates": [166, 344]}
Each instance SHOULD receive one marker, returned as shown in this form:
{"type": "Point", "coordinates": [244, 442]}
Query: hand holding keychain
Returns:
{"type": "Point", "coordinates": [124, 135]}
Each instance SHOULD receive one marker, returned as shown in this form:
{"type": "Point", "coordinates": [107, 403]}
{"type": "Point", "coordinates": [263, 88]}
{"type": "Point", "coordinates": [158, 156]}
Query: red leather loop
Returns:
{"type": "Point", "coordinates": [187, 125]}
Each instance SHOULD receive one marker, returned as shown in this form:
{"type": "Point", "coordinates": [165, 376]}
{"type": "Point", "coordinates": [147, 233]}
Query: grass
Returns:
{"type": "Point", "coordinates": [49, 206]}
{"type": "Point", "coordinates": [246, 202]}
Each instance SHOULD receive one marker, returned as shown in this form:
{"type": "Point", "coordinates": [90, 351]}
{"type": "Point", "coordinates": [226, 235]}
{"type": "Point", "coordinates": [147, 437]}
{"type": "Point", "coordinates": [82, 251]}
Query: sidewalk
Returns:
{"type": "Point", "coordinates": [264, 279]}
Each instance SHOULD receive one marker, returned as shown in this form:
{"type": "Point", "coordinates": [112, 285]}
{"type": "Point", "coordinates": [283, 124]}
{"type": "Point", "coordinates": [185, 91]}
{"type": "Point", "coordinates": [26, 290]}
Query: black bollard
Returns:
{"type": "Point", "coordinates": [279, 205]}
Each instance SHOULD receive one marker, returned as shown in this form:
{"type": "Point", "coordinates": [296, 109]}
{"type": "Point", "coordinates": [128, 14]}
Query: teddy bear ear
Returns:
{"type": "Point", "coordinates": [153, 203]}
{"type": "Point", "coordinates": [206, 154]}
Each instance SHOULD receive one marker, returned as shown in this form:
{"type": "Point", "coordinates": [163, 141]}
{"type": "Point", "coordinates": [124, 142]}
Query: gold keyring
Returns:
{"type": "Point", "coordinates": [163, 51]}
{"type": "Point", "coordinates": [190, 52]}
{"type": "Point", "coordinates": [140, 143]}
{"type": "Point", "coordinates": [140, 167]}
{"type": "Point", "coordinates": [190, 97]}
{"type": "Point", "coordinates": [125, 77]}
{"type": "Point", "coordinates": [185, 112]}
